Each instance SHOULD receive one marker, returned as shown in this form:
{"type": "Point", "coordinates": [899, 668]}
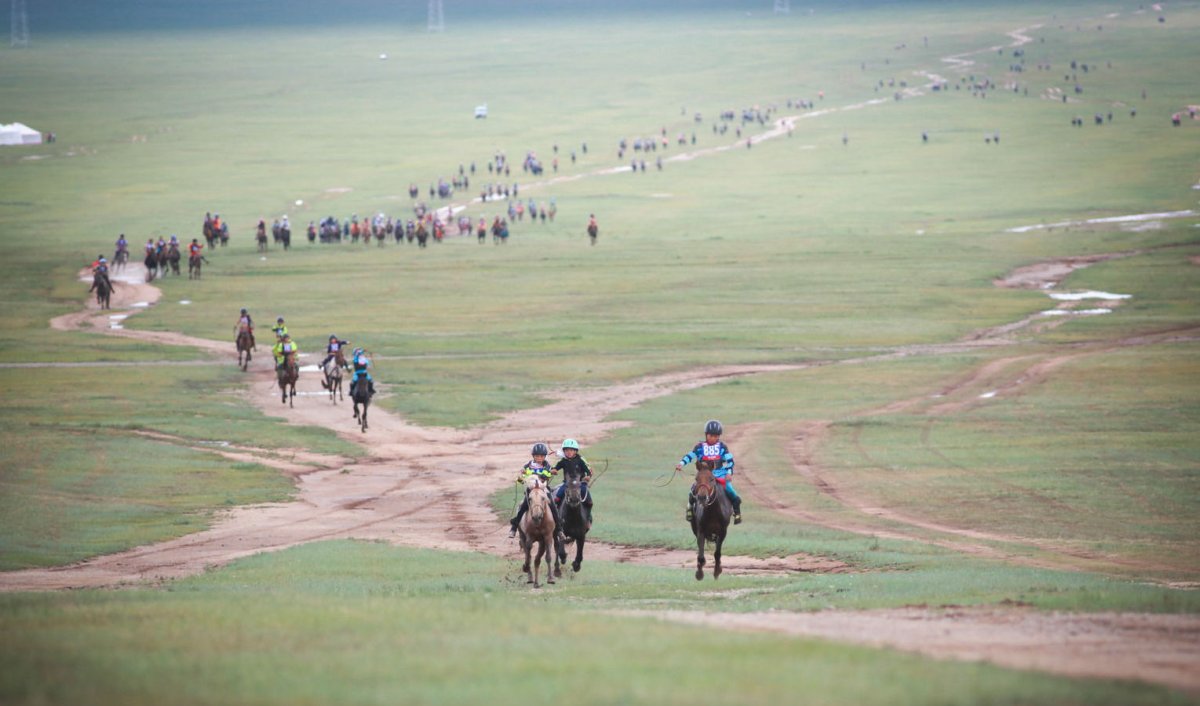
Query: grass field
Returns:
{"type": "Point", "coordinates": [849, 245]}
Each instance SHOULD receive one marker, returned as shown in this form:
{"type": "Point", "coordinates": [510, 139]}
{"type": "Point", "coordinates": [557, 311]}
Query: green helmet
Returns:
{"type": "Point", "coordinates": [570, 444]}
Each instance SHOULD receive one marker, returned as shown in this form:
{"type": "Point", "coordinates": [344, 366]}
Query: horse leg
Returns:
{"type": "Point", "coordinates": [699, 556]}
{"type": "Point", "coordinates": [578, 554]}
{"type": "Point", "coordinates": [717, 557]}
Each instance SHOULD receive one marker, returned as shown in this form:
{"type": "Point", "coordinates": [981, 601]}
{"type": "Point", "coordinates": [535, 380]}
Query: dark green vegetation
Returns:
{"type": "Point", "coordinates": [799, 250]}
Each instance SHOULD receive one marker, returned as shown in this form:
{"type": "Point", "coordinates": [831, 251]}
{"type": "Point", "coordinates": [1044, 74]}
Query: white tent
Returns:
{"type": "Point", "coordinates": [18, 134]}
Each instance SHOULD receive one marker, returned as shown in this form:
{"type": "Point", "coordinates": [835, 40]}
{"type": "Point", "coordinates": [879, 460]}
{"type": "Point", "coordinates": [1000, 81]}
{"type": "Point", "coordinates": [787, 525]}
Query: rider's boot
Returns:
{"type": "Point", "coordinates": [689, 516]}
{"type": "Point", "coordinates": [737, 511]}
{"type": "Point", "coordinates": [371, 386]}
{"type": "Point", "coordinates": [513, 530]}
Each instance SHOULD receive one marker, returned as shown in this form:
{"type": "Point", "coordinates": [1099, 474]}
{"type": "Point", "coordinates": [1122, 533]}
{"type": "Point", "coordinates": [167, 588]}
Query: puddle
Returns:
{"type": "Point", "coordinates": [116, 326]}
{"type": "Point", "coordinates": [185, 302]}
{"type": "Point", "coordinates": [1140, 217]}
{"type": "Point", "coordinates": [988, 395]}
{"type": "Point", "coordinates": [1076, 312]}
{"type": "Point", "coordinates": [117, 317]}
{"type": "Point", "coordinates": [140, 305]}
{"type": "Point", "coordinates": [222, 444]}
{"type": "Point", "coordinates": [1090, 294]}
{"type": "Point", "coordinates": [310, 369]}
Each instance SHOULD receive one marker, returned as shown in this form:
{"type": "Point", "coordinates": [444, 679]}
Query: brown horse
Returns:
{"type": "Point", "coordinates": [288, 374]}
{"type": "Point", "coordinates": [103, 287]}
{"type": "Point", "coordinates": [194, 262]}
{"type": "Point", "coordinates": [360, 393]}
{"type": "Point", "coordinates": [333, 379]}
{"type": "Point", "coordinates": [243, 346]}
{"type": "Point", "coordinates": [173, 258]}
{"type": "Point", "coordinates": [593, 231]}
{"type": "Point", "coordinates": [711, 511]}
{"type": "Point", "coordinates": [537, 527]}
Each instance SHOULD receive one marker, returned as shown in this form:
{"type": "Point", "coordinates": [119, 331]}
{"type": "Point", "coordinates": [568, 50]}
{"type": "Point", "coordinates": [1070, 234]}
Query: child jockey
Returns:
{"type": "Point", "coordinates": [537, 466]}
{"type": "Point", "coordinates": [571, 461]}
{"type": "Point", "coordinates": [714, 450]}
{"type": "Point", "coordinates": [245, 323]}
{"type": "Point", "coordinates": [360, 362]}
{"type": "Point", "coordinates": [333, 349]}
{"type": "Point", "coordinates": [281, 349]}
{"type": "Point", "coordinates": [280, 329]}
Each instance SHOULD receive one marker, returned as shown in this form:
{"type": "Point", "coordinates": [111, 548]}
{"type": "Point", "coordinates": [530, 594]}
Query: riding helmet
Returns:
{"type": "Point", "coordinates": [333, 337]}
{"type": "Point", "coordinates": [244, 311]}
{"type": "Point", "coordinates": [279, 320]}
{"type": "Point", "coordinates": [713, 427]}
{"type": "Point", "coordinates": [539, 449]}
{"type": "Point", "coordinates": [570, 444]}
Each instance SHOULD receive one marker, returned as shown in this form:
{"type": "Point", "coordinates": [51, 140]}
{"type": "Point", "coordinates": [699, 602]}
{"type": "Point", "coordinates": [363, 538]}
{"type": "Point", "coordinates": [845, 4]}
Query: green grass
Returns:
{"type": "Point", "coordinates": [365, 623]}
{"type": "Point", "coordinates": [801, 249]}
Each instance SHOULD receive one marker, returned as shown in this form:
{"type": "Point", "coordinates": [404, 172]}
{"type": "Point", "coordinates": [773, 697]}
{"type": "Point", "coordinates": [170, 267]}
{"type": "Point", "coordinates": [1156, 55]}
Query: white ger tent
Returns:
{"type": "Point", "coordinates": [18, 134]}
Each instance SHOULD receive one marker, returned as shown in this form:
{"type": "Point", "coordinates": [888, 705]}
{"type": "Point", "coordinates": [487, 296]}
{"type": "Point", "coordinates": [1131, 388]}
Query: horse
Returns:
{"type": "Point", "coordinates": [194, 262]}
{"type": "Point", "coordinates": [103, 286]}
{"type": "Point", "coordinates": [120, 259]}
{"type": "Point", "coordinates": [361, 394]}
{"type": "Point", "coordinates": [210, 234]}
{"type": "Point", "coordinates": [173, 258]}
{"type": "Point", "coordinates": [593, 230]}
{"type": "Point", "coordinates": [164, 260]}
{"type": "Point", "coordinates": [151, 264]}
{"type": "Point", "coordinates": [224, 234]}
{"type": "Point", "coordinates": [243, 345]}
{"type": "Point", "coordinates": [574, 515]}
{"type": "Point", "coordinates": [285, 237]}
{"type": "Point", "coordinates": [537, 527]}
{"type": "Point", "coordinates": [287, 376]}
{"type": "Point", "coordinates": [711, 511]}
{"type": "Point", "coordinates": [333, 379]}
{"type": "Point", "coordinates": [260, 237]}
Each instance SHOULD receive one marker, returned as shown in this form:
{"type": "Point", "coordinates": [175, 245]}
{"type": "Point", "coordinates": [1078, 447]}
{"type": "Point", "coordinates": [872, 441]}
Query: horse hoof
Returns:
{"type": "Point", "coordinates": [717, 573]}
{"type": "Point", "coordinates": [575, 566]}
{"type": "Point", "coordinates": [557, 573]}
{"type": "Point", "coordinates": [699, 574]}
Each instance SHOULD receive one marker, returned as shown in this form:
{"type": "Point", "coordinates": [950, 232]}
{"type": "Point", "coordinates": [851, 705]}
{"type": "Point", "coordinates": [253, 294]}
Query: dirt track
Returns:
{"type": "Point", "coordinates": [413, 489]}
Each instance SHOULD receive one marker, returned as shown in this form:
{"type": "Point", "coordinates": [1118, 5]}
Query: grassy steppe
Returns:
{"type": "Point", "coordinates": [801, 249]}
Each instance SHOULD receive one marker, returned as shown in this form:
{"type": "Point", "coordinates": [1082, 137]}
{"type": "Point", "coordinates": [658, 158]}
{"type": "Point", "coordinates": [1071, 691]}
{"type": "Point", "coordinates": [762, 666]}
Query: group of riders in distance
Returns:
{"type": "Point", "coordinates": [287, 368]}
{"type": "Point", "coordinates": [554, 519]}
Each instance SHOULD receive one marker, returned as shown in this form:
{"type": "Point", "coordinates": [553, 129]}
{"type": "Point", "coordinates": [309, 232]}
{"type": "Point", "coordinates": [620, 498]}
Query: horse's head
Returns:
{"type": "Point", "coordinates": [539, 500]}
{"type": "Point", "coordinates": [705, 482]}
{"type": "Point", "coordinates": [573, 488]}
{"type": "Point", "coordinates": [534, 481]}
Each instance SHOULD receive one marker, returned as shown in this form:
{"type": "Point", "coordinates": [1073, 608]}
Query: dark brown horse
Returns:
{"type": "Point", "coordinates": [288, 374]}
{"type": "Point", "coordinates": [103, 287]}
{"type": "Point", "coordinates": [537, 527]}
{"type": "Point", "coordinates": [360, 392]}
{"type": "Point", "coordinates": [711, 511]}
{"type": "Point", "coordinates": [243, 346]}
{"type": "Point", "coordinates": [173, 258]}
{"type": "Point", "coordinates": [575, 516]}
{"type": "Point", "coordinates": [593, 230]}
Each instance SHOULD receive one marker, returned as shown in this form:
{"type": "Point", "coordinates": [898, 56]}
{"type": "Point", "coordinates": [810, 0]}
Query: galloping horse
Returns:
{"type": "Point", "coordinates": [173, 258]}
{"type": "Point", "coordinates": [120, 259]}
{"type": "Point", "coordinates": [711, 511]}
{"type": "Point", "coordinates": [574, 515]}
{"type": "Point", "coordinates": [288, 375]}
{"type": "Point", "coordinates": [210, 234]}
{"type": "Point", "coordinates": [537, 526]}
{"type": "Point", "coordinates": [593, 230]}
{"type": "Point", "coordinates": [333, 379]}
{"type": "Point", "coordinates": [151, 264]}
{"type": "Point", "coordinates": [194, 262]}
{"type": "Point", "coordinates": [243, 346]}
{"type": "Point", "coordinates": [260, 237]}
{"type": "Point", "coordinates": [103, 287]}
{"type": "Point", "coordinates": [361, 394]}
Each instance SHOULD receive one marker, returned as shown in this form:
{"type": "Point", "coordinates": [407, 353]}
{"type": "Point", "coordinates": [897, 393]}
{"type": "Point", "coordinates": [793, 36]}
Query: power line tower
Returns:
{"type": "Point", "coordinates": [20, 24]}
{"type": "Point", "coordinates": [783, 7]}
{"type": "Point", "coordinates": [437, 19]}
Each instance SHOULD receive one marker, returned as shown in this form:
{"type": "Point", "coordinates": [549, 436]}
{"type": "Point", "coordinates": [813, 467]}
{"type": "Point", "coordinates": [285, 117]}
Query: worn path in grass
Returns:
{"type": "Point", "coordinates": [429, 487]}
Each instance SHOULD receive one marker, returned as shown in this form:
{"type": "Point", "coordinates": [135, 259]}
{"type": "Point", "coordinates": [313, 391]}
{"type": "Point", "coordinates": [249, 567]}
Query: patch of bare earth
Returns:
{"type": "Point", "coordinates": [1163, 649]}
